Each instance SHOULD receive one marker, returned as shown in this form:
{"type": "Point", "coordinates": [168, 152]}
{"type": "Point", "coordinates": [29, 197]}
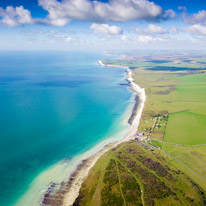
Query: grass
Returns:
{"type": "Point", "coordinates": [187, 114]}
{"type": "Point", "coordinates": [185, 105]}
{"type": "Point", "coordinates": [186, 128]}
{"type": "Point", "coordinates": [136, 176]}
{"type": "Point", "coordinates": [193, 157]}
{"type": "Point", "coordinates": [156, 144]}
{"type": "Point", "coordinates": [175, 93]}
{"type": "Point", "coordinates": [192, 88]}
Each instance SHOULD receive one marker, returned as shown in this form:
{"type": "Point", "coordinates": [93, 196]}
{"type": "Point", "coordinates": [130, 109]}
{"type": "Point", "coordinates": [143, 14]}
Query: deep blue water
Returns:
{"type": "Point", "coordinates": [53, 105]}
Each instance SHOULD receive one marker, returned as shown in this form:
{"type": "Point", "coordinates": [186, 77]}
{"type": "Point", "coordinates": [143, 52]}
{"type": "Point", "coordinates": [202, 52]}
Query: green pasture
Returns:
{"type": "Point", "coordinates": [186, 128]}
{"type": "Point", "coordinates": [192, 156]}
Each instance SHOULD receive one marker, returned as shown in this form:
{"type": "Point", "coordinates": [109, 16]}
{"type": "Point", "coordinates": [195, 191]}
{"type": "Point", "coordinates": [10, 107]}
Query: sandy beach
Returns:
{"type": "Point", "coordinates": [69, 190]}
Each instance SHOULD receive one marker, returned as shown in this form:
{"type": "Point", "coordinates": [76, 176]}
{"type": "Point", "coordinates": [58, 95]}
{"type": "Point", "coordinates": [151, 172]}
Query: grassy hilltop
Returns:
{"type": "Point", "coordinates": [169, 167]}
{"type": "Point", "coordinates": [133, 175]}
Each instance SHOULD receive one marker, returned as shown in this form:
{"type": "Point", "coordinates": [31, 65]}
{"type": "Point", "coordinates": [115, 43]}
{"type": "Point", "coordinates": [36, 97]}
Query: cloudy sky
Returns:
{"type": "Point", "coordinates": [102, 24]}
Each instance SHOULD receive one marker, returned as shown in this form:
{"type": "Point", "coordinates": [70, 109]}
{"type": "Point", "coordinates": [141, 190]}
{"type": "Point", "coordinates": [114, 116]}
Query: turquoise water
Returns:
{"type": "Point", "coordinates": [53, 105]}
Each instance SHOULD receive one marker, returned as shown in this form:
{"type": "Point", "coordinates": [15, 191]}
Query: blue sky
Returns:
{"type": "Point", "coordinates": [106, 25]}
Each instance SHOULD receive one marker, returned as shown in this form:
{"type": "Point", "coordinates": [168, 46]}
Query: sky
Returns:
{"type": "Point", "coordinates": [102, 25]}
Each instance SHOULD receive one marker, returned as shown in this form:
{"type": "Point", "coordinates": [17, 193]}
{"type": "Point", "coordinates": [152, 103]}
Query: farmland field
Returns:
{"type": "Point", "coordinates": [186, 128]}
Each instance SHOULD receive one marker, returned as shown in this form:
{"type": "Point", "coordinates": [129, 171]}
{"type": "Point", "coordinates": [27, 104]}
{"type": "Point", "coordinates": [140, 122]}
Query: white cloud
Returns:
{"type": "Point", "coordinates": [197, 18]}
{"type": "Point", "coordinates": [196, 30]}
{"type": "Point", "coordinates": [124, 38]}
{"type": "Point", "coordinates": [156, 29]}
{"type": "Point", "coordinates": [200, 17]}
{"type": "Point", "coordinates": [149, 39]}
{"type": "Point", "coordinates": [15, 16]}
{"type": "Point", "coordinates": [169, 14]}
{"type": "Point", "coordinates": [62, 12]}
{"type": "Point", "coordinates": [105, 29]}
{"type": "Point", "coordinates": [68, 39]}
{"type": "Point", "coordinates": [152, 30]}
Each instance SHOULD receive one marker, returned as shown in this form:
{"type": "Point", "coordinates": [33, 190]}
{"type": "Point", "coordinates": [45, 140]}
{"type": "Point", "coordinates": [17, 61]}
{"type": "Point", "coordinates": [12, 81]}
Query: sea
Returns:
{"type": "Point", "coordinates": [55, 107]}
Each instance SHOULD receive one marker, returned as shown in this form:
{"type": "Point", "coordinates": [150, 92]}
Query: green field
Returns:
{"type": "Point", "coordinates": [192, 156]}
{"type": "Point", "coordinates": [180, 95]}
{"type": "Point", "coordinates": [186, 128]}
{"type": "Point", "coordinates": [192, 88]}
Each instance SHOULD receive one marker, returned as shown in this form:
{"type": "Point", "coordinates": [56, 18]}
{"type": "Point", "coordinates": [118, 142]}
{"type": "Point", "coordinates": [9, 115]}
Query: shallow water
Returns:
{"type": "Point", "coordinates": [54, 106]}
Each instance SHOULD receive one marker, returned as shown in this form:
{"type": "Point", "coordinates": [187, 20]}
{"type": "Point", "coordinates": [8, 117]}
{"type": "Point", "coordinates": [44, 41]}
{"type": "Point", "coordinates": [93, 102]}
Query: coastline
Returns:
{"type": "Point", "coordinates": [140, 98]}
{"type": "Point", "coordinates": [69, 190]}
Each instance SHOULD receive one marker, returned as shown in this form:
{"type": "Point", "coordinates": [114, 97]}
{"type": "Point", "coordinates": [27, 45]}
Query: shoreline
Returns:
{"type": "Point", "coordinates": [140, 95]}
{"type": "Point", "coordinates": [69, 190]}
